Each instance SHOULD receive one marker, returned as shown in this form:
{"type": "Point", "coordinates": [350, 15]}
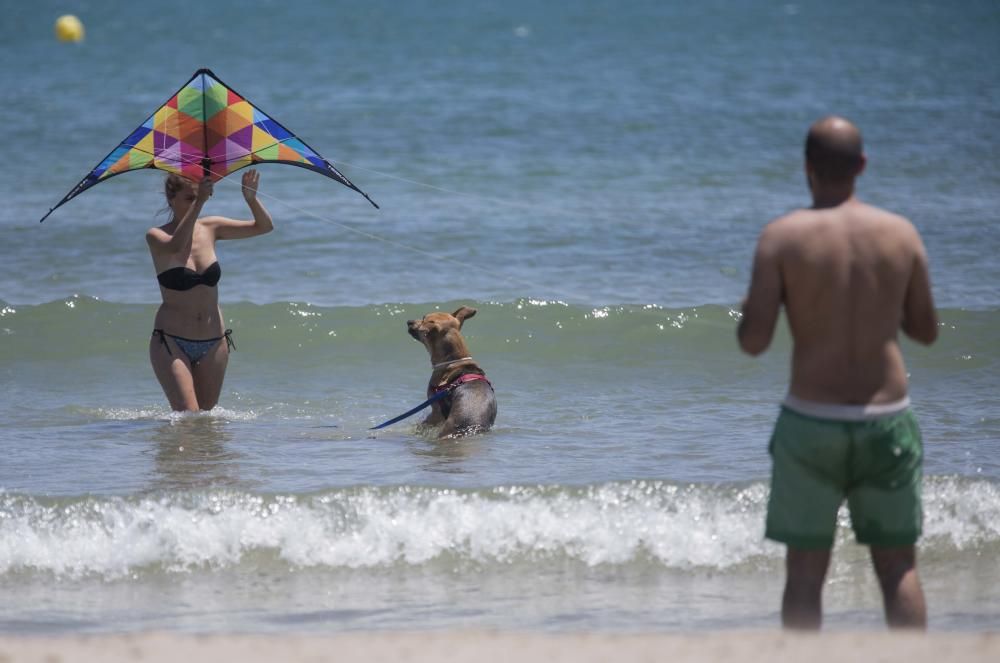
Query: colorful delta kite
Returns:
{"type": "Point", "coordinates": [207, 129]}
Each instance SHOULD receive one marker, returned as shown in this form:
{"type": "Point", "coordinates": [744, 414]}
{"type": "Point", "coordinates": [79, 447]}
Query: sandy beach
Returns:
{"type": "Point", "coordinates": [487, 647]}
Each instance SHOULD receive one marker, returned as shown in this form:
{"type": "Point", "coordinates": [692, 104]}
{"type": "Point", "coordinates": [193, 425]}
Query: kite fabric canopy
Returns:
{"type": "Point", "coordinates": [207, 129]}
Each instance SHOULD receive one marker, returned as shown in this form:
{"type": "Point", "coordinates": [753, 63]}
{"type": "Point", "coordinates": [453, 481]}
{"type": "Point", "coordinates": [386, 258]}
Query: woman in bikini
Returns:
{"type": "Point", "coordinates": [187, 350]}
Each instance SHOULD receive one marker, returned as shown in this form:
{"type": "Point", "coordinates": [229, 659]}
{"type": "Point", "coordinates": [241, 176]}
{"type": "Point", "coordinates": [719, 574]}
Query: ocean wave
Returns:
{"type": "Point", "coordinates": [707, 526]}
{"type": "Point", "coordinates": [534, 328]}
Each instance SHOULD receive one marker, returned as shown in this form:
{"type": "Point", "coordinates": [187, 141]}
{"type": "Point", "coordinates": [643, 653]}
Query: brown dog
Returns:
{"type": "Point", "coordinates": [470, 405]}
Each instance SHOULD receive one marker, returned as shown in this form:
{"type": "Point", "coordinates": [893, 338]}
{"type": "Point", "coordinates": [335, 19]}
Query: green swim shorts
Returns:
{"type": "Point", "coordinates": [875, 464]}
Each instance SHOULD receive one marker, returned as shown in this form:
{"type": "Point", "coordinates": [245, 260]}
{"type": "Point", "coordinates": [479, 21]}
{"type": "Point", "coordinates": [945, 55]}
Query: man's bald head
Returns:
{"type": "Point", "coordinates": [834, 150]}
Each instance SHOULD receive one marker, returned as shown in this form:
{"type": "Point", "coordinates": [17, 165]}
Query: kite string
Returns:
{"type": "Point", "coordinates": [499, 201]}
{"type": "Point", "coordinates": [397, 244]}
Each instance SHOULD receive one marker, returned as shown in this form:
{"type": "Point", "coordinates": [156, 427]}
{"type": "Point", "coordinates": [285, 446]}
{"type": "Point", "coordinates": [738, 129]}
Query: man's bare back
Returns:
{"type": "Point", "coordinates": [850, 276]}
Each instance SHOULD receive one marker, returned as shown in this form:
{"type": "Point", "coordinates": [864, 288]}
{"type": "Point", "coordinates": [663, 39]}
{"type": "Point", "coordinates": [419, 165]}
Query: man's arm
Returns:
{"type": "Point", "coordinates": [919, 317]}
{"type": "Point", "coordinates": [763, 302]}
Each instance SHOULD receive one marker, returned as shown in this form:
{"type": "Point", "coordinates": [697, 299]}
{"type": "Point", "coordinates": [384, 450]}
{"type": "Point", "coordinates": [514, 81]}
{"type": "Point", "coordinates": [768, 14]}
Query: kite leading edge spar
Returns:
{"type": "Point", "coordinates": [207, 129]}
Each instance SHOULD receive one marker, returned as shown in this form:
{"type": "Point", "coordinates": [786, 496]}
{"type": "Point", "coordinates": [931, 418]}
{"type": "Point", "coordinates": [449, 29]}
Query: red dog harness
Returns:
{"type": "Point", "coordinates": [460, 380]}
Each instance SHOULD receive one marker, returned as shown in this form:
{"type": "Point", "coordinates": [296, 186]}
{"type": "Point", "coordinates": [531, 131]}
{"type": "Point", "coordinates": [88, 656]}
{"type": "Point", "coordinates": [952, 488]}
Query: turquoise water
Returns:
{"type": "Point", "coordinates": [591, 176]}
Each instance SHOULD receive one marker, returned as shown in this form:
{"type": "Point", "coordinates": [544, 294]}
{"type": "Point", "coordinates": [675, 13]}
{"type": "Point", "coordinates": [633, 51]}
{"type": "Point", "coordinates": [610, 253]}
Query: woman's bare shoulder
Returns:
{"type": "Point", "coordinates": [157, 234]}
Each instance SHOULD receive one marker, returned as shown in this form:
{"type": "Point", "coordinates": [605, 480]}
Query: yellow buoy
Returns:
{"type": "Point", "coordinates": [69, 28]}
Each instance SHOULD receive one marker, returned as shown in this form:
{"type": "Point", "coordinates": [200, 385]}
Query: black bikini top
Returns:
{"type": "Point", "coordinates": [182, 278]}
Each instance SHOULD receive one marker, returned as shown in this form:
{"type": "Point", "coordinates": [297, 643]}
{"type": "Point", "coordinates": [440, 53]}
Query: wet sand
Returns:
{"type": "Point", "coordinates": [490, 647]}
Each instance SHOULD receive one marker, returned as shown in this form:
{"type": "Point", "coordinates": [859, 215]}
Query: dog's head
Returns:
{"type": "Point", "coordinates": [441, 333]}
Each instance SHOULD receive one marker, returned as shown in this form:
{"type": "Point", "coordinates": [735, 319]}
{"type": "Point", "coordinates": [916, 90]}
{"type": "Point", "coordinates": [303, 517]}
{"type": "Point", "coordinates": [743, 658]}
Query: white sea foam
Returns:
{"type": "Point", "coordinates": [165, 414]}
{"type": "Point", "coordinates": [681, 527]}
{"type": "Point", "coordinates": [962, 514]}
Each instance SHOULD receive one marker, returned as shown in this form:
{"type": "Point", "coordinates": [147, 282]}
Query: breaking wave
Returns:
{"type": "Point", "coordinates": [713, 527]}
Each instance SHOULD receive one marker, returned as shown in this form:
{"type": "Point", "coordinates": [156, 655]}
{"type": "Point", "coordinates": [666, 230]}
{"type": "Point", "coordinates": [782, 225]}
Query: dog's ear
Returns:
{"type": "Point", "coordinates": [463, 314]}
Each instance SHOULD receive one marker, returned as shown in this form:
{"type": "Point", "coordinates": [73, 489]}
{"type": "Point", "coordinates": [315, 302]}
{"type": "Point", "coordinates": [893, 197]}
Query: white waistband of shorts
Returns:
{"type": "Point", "coordinates": [841, 412]}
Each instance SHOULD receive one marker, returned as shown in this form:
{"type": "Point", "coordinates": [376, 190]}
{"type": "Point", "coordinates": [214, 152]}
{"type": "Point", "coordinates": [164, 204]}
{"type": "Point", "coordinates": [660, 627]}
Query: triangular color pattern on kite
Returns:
{"type": "Point", "coordinates": [207, 128]}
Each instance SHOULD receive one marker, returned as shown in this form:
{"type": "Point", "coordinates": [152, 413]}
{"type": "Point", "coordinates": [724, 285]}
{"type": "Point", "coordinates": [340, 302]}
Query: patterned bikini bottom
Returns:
{"type": "Point", "coordinates": [194, 349]}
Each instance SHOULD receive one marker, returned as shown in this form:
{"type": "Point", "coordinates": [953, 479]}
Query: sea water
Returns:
{"type": "Point", "coordinates": [591, 176]}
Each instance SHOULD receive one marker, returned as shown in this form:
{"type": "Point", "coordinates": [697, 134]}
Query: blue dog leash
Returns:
{"type": "Point", "coordinates": [433, 399]}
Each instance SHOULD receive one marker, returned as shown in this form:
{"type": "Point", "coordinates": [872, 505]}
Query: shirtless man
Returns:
{"type": "Point", "coordinates": [849, 276]}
